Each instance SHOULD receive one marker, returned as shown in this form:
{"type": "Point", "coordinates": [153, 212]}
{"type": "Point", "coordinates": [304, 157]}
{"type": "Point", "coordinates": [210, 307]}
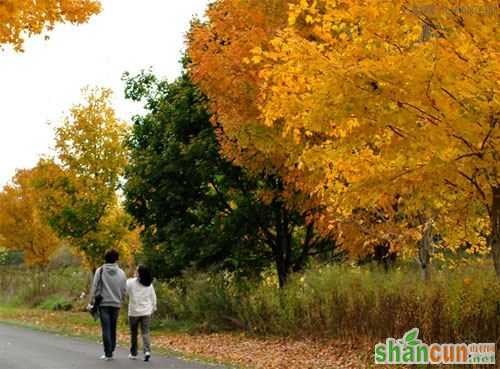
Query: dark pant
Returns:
{"type": "Point", "coordinates": [135, 322]}
{"type": "Point", "coordinates": [109, 319]}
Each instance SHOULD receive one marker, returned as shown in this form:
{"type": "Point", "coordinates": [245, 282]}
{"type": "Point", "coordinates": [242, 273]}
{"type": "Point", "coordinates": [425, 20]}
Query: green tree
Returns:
{"type": "Point", "coordinates": [196, 208]}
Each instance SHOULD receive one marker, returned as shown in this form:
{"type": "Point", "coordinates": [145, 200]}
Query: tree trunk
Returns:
{"type": "Point", "coordinates": [282, 272]}
{"type": "Point", "coordinates": [425, 249]}
{"type": "Point", "coordinates": [280, 260]}
{"type": "Point", "coordinates": [495, 229]}
{"type": "Point", "coordinates": [282, 250]}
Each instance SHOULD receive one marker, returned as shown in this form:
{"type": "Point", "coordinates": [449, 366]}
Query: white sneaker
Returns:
{"type": "Point", "coordinates": [105, 358]}
{"type": "Point", "coordinates": [132, 357]}
{"type": "Point", "coordinates": [147, 356]}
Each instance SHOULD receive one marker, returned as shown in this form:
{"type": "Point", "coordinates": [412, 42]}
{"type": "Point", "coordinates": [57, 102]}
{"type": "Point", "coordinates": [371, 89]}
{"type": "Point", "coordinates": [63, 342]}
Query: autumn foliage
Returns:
{"type": "Point", "coordinates": [23, 18]}
{"type": "Point", "coordinates": [79, 186]}
{"type": "Point", "coordinates": [235, 28]}
{"type": "Point", "coordinates": [304, 140]}
{"type": "Point", "coordinates": [404, 101]}
{"type": "Point", "coordinates": [22, 223]}
{"type": "Point", "coordinates": [377, 122]}
{"type": "Point", "coordinates": [72, 198]}
{"type": "Point", "coordinates": [384, 113]}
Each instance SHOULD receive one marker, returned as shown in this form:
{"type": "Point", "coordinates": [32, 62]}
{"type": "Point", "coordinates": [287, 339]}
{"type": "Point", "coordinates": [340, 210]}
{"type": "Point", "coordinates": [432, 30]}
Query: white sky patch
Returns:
{"type": "Point", "coordinates": [38, 87]}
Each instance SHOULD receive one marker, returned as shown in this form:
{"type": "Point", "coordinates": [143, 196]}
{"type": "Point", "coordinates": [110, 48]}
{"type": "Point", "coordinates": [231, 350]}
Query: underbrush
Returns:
{"type": "Point", "coordinates": [338, 301]}
{"type": "Point", "coordinates": [343, 301]}
{"type": "Point", "coordinates": [21, 286]}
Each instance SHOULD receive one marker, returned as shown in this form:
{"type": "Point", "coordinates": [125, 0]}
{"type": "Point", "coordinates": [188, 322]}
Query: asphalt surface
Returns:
{"type": "Point", "coordinates": [22, 348]}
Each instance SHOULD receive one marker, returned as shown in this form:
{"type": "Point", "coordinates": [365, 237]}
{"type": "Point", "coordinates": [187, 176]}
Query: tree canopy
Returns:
{"type": "Point", "coordinates": [383, 114]}
{"type": "Point", "coordinates": [23, 18]}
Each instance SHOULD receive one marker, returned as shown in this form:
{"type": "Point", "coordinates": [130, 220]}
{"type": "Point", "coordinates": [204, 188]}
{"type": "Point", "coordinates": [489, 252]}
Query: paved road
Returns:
{"type": "Point", "coordinates": [22, 348]}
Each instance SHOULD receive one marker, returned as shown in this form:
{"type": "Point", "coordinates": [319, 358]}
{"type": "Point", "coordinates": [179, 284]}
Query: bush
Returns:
{"type": "Point", "coordinates": [56, 303]}
{"type": "Point", "coordinates": [344, 301]}
{"type": "Point", "coordinates": [8, 257]}
{"type": "Point", "coordinates": [207, 300]}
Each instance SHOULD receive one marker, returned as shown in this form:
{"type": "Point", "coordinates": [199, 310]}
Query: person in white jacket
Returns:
{"type": "Point", "coordinates": [142, 304]}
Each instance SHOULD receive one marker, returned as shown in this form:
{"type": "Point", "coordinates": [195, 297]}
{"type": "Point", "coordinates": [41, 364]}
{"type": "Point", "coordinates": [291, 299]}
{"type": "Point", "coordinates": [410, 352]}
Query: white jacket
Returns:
{"type": "Point", "coordinates": [142, 299]}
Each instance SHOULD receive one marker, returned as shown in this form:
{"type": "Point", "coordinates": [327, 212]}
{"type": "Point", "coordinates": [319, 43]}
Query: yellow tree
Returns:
{"type": "Point", "coordinates": [22, 18]}
{"type": "Point", "coordinates": [113, 231]}
{"type": "Point", "coordinates": [80, 192]}
{"type": "Point", "coordinates": [117, 232]}
{"type": "Point", "coordinates": [22, 225]}
{"type": "Point", "coordinates": [392, 100]}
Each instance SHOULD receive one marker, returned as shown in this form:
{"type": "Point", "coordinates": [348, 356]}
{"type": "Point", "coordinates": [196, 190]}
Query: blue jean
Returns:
{"type": "Point", "coordinates": [109, 319]}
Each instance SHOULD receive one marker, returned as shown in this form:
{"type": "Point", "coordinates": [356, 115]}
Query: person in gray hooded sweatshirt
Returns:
{"type": "Point", "coordinates": [110, 282]}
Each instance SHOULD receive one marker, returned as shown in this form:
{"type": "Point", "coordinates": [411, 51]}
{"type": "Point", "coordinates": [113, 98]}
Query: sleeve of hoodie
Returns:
{"type": "Point", "coordinates": [94, 285]}
{"type": "Point", "coordinates": [124, 285]}
{"type": "Point", "coordinates": [153, 298]}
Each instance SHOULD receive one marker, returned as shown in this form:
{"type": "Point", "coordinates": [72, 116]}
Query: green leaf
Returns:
{"type": "Point", "coordinates": [410, 337]}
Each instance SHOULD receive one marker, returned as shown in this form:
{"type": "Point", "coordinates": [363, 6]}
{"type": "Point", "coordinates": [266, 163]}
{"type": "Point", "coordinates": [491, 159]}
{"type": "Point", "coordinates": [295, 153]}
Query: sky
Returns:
{"type": "Point", "coordinates": [38, 87]}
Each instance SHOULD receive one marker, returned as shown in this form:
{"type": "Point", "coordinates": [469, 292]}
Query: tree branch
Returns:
{"type": "Point", "coordinates": [490, 131]}
{"type": "Point", "coordinates": [476, 185]}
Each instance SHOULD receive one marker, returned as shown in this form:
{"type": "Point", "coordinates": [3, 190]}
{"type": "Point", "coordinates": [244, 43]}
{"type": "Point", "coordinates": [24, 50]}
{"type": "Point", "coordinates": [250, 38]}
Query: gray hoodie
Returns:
{"type": "Point", "coordinates": [114, 285]}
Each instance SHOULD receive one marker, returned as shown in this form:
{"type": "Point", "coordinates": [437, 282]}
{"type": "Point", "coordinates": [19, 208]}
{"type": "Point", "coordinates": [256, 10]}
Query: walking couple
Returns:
{"type": "Point", "coordinates": [109, 288]}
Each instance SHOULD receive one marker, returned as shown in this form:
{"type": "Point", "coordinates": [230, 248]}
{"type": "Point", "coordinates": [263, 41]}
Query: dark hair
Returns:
{"type": "Point", "coordinates": [145, 277]}
{"type": "Point", "coordinates": [111, 256]}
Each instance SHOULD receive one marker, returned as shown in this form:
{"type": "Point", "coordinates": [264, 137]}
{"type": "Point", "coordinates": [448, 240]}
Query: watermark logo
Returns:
{"type": "Point", "coordinates": [411, 350]}
{"type": "Point", "coordinates": [434, 9]}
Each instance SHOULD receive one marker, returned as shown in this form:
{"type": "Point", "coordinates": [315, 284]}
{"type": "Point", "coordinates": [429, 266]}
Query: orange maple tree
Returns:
{"type": "Point", "coordinates": [22, 224]}
{"type": "Point", "coordinates": [224, 44]}
{"type": "Point", "coordinates": [22, 18]}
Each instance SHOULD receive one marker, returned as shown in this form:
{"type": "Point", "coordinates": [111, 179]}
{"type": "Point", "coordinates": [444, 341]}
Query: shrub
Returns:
{"type": "Point", "coordinates": [56, 303]}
